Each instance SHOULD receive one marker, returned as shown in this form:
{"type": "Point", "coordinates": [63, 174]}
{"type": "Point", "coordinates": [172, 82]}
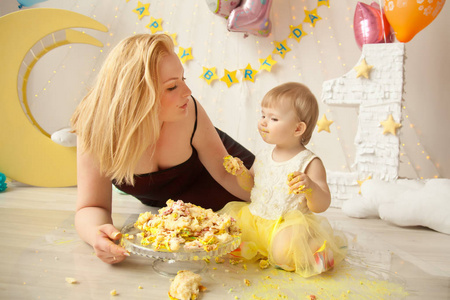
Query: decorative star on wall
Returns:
{"type": "Point", "coordinates": [296, 32]}
{"type": "Point", "coordinates": [155, 25]}
{"type": "Point", "coordinates": [173, 36]}
{"type": "Point", "coordinates": [360, 182]}
{"type": "Point", "coordinates": [267, 63]}
{"type": "Point", "coordinates": [229, 78]}
{"type": "Point", "coordinates": [209, 74]}
{"type": "Point", "coordinates": [312, 17]}
{"type": "Point", "coordinates": [281, 48]}
{"type": "Point", "coordinates": [185, 54]}
{"type": "Point", "coordinates": [390, 126]}
{"type": "Point", "coordinates": [249, 73]}
{"type": "Point", "coordinates": [324, 124]}
{"type": "Point", "coordinates": [363, 69]}
{"type": "Point", "coordinates": [142, 9]}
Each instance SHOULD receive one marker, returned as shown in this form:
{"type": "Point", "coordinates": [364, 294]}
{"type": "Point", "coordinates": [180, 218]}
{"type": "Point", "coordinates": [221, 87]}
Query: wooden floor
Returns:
{"type": "Point", "coordinates": [40, 248]}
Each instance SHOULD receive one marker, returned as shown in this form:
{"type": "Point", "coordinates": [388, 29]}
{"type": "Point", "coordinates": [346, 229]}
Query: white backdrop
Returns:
{"type": "Point", "coordinates": [61, 78]}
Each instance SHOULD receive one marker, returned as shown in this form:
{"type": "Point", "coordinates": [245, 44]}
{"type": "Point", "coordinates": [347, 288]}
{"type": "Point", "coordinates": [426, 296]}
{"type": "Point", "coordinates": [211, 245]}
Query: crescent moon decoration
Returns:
{"type": "Point", "coordinates": [27, 154]}
{"type": "Point", "coordinates": [44, 46]}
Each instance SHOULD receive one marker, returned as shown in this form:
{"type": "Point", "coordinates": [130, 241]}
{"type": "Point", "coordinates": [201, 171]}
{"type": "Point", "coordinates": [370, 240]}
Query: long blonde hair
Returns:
{"type": "Point", "coordinates": [118, 119]}
{"type": "Point", "coordinates": [303, 102]}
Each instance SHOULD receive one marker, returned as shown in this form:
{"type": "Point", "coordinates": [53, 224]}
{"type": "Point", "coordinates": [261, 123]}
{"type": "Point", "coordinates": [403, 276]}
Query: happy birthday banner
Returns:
{"type": "Point", "coordinates": [248, 73]}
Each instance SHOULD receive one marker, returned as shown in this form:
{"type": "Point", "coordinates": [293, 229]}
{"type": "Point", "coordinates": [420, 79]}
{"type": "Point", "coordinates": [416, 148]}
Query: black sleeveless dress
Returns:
{"type": "Point", "coordinates": [189, 181]}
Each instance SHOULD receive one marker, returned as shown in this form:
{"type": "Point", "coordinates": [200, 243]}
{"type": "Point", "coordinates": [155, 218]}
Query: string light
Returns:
{"type": "Point", "coordinates": [418, 149]}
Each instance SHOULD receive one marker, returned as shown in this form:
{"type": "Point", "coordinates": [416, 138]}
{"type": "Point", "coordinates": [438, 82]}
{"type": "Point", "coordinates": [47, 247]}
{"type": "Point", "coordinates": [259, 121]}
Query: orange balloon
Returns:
{"type": "Point", "coordinates": [408, 17]}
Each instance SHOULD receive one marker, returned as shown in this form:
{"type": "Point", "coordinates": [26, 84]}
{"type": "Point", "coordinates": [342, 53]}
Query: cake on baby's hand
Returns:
{"type": "Point", "coordinates": [232, 164]}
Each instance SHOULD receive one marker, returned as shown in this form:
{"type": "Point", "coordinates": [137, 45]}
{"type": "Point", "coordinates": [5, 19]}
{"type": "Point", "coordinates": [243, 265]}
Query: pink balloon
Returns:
{"type": "Point", "coordinates": [222, 8]}
{"type": "Point", "coordinates": [370, 25]}
{"type": "Point", "coordinates": [252, 16]}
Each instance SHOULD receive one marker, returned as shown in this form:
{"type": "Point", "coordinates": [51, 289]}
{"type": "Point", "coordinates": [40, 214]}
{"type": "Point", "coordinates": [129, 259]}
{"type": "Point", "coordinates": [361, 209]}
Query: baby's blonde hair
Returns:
{"type": "Point", "coordinates": [303, 102]}
{"type": "Point", "coordinates": [118, 118]}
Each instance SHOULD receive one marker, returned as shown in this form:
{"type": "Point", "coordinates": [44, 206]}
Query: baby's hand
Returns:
{"type": "Point", "coordinates": [298, 183]}
{"type": "Point", "coordinates": [233, 165]}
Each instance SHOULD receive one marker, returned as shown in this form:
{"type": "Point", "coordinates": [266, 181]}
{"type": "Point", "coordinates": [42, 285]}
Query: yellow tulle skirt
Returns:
{"type": "Point", "coordinates": [303, 243]}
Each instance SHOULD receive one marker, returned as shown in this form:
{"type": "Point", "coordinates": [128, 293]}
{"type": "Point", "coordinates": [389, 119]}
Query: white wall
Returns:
{"type": "Point", "coordinates": [61, 78]}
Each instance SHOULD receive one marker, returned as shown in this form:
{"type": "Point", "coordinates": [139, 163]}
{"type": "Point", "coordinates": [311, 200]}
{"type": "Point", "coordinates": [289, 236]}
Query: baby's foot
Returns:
{"type": "Point", "coordinates": [324, 258]}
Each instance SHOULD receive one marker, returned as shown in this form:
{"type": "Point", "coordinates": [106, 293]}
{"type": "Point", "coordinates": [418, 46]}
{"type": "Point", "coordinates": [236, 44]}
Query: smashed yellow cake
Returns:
{"type": "Point", "coordinates": [185, 225]}
{"type": "Point", "coordinates": [185, 286]}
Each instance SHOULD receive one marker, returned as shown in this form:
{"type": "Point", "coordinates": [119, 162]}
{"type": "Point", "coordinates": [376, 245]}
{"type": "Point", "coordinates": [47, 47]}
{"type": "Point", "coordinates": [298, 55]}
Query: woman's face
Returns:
{"type": "Point", "coordinates": [175, 93]}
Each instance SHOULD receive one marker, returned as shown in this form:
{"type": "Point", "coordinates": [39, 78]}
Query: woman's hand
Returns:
{"type": "Point", "coordinates": [104, 245]}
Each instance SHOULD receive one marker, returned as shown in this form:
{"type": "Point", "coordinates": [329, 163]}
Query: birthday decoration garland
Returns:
{"type": "Point", "coordinates": [230, 77]}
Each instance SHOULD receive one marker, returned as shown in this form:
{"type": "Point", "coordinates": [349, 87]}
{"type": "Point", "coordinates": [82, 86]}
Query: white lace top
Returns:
{"type": "Point", "coordinates": [270, 196]}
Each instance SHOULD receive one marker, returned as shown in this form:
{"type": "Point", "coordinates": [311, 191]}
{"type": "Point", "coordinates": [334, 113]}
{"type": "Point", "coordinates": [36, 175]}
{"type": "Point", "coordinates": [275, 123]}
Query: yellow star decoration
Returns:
{"type": "Point", "coordinates": [312, 17]}
{"type": "Point", "coordinates": [209, 75]}
{"type": "Point", "coordinates": [154, 25]}
{"type": "Point", "coordinates": [142, 9]}
{"type": "Point", "coordinates": [229, 78]}
{"type": "Point", "coordinates": [174, 37]}
{"type": "Point", "coordinates": [185, 54]}
{"type": "Point", "coordinates": [324, 124]}
{"type": "Point", "coordinates": [267, 63]}
{"type": "Point", "coordinates": [249, 73]}
{"type": "Point", "coordinates": [360, 182]}
{"type": "Point", "coordinates": [281, 48]}
{"type": "Point", "coordinates": [323, 2]}
{"type": "Point", "coordinates": [363, 69]}
{"type": "Point", "coordinates": [390, 126]}
{"type": "Point", "coordinates": [296, 32]}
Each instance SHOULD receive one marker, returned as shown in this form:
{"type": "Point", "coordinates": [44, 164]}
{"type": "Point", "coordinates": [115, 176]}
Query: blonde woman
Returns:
{"type": "Point", "coordinates": [140, 129]}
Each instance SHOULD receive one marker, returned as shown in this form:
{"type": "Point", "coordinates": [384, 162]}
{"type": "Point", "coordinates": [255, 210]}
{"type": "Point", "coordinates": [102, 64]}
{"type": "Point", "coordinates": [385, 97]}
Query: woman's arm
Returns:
{"type": "Point", "coordinates": [211, 153]}
{"type": "Point", "coordinates": [93, 220]}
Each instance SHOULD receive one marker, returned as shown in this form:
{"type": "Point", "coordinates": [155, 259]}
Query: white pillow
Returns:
{"type": "Point", "coordinates": [404, 202]}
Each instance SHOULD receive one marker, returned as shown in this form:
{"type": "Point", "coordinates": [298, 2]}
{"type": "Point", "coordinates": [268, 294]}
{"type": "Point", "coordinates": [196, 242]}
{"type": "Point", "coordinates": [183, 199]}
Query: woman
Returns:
{"type": "Point", "coordinates": [140, 128]}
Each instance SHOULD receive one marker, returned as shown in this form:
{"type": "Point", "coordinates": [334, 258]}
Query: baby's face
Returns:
{"type": "Point", "coordinates": [278, 124]}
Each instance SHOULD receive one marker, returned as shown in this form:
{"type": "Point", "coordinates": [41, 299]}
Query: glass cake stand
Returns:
{"type": "Point", "coordinates": [168, 263]}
